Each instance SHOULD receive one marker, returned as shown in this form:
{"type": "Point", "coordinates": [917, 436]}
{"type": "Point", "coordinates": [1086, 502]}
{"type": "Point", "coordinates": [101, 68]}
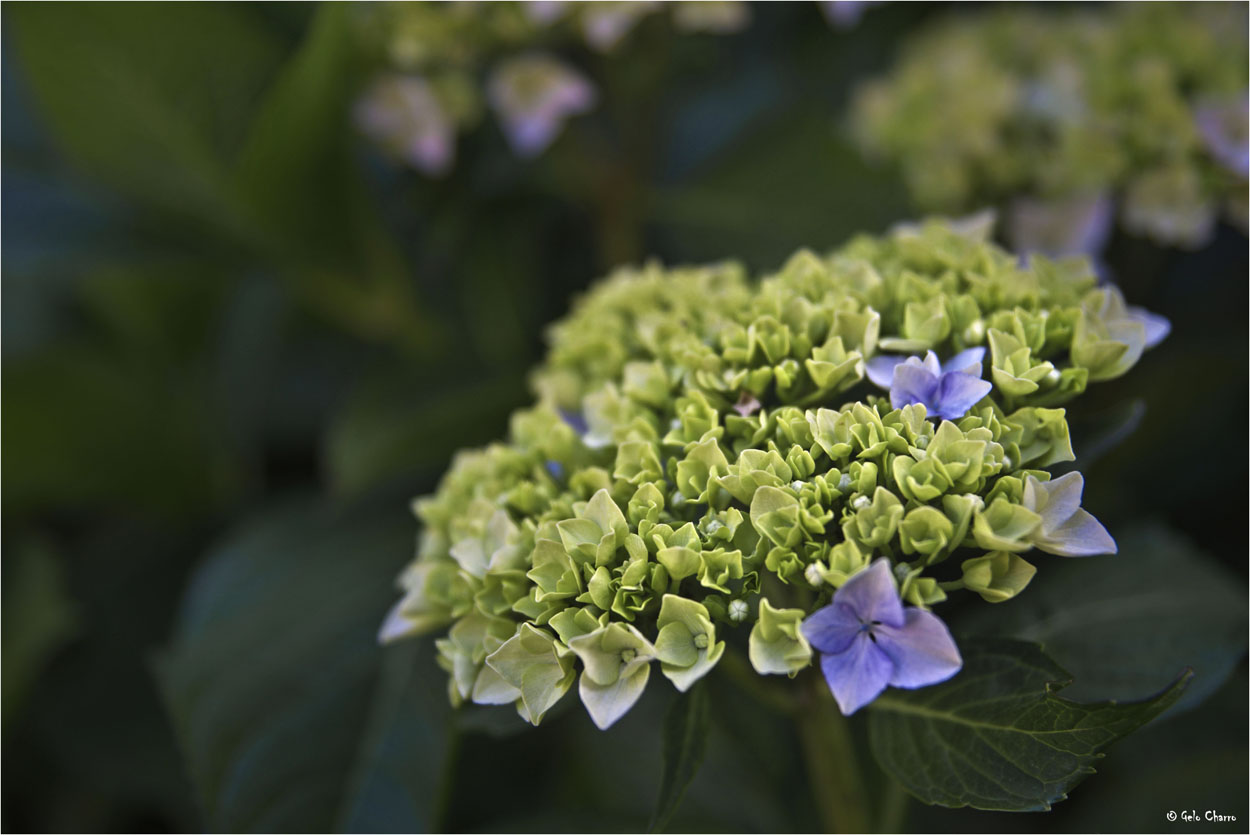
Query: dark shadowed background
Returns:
{"type": "Point", "coordinates": [237, 340]}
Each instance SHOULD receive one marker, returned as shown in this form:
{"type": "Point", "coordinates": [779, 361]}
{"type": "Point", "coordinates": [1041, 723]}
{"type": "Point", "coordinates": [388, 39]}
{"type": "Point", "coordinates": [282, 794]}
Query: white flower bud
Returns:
{"type": "Point", "coordinates": [813, 574]}
{"type": "Point", "coordinates": [738, 610]}
{"type": "Point", "coordinates": [861, 502]}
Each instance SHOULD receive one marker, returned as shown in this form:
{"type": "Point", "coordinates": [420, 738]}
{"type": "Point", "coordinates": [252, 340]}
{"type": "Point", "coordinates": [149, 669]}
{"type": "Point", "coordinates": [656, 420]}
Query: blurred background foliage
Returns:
{"type": "Point", "coordinates": [238, 339]}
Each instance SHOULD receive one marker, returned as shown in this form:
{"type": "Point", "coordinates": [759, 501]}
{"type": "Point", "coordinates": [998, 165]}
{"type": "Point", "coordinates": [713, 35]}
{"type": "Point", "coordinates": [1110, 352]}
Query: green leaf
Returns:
{"type": "Point", "coordinates": [289, 714]}
{"type": "Point", "coordinates": [39, 618]}
{"type": "Point", "coordinates": [997, 736]}
{"type": "Point", "coordinates": [1124, 624]}
{"type": "Point", "coordinates": [302, 127]}
{"type": "Point", "coordinates": [383, 432]}
{"type": "Point", "coordinates": [143, 98]}
{"type": "Point", "coordinates": [685, 742]}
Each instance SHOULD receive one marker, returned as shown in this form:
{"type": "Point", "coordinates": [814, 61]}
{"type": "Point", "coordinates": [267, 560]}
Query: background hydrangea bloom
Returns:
{"type": "Point", "coordinates": [533, 96]}
{"type": "Point", "coordinates": [1143, 104]}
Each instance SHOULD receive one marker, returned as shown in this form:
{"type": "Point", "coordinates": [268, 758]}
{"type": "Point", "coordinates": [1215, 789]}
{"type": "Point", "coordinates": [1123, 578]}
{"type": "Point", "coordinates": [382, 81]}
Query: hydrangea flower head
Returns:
{"type": "Point", "coordinates": [705, 474]}
{"type": "Point", "coordinates": [869, 640]}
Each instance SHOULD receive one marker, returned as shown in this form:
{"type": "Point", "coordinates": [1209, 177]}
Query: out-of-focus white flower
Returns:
{"type": "Point", "coordinates": [1168, 205]}
{"type": "Point", "coordinates": [717, 18]}
{"type": "Point", "coordinates": [1077, 225]}
{"type": "Point", "coordinates": [605, 24]}
{"type": "Point", "coordinates": [533, 96]}
{"type": "Point", "coordinates": [844, 14]}
{"type": "Point", "coordinates": [1223, 127]}
{"type": "Point", "coordinates": [545, 12]}
{"type": "Point", "coordinates": [403, 114]}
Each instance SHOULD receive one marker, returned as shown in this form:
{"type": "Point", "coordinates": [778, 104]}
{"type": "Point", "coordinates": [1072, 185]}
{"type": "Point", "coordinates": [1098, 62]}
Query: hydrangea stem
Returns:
{"type": "Point", "coordinates": [893, 807]}
{"type": "Point", "coordinates": [832, 766]}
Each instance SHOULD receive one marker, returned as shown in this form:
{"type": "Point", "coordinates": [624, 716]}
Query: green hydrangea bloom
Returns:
{"type": "Point", "coordinates": [1054, 115]}
{"type": "Point", "coordinates": [707, 463]}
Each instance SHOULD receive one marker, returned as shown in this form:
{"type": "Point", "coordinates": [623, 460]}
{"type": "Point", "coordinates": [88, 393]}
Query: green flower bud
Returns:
{"type": "Point", "coordinates": [1044, 438]}
{"type": "Point", "coordinates": [646, 382]}
{"type": "Point", "coordinates": [574, 622]}
{"type": "Point", "coordinates": [698, 471]}
{"type": "Point", "coordinates": [754, 469]}
{"type": "Point", "coordinates": [592, 538]}
{"type": "Point", "coordinates": [997, 576]}
{"type": "Point", "coordinates": [775, 514]}
{"type": "Point", "coordinates": [921, 591]}
{"type": "Point", "coordinates": [845, 560]}
{"type": "Point", "coordinates": [777, 644]}
{"type": "Point", "coordinates": [832, 432]}
{"type": "Point", "coordinates": [874, 525]}
{"type": "Point", "coordinates": [637, 462]}
{"type": "Point", "coordinates": [495, 547]}
{"type": "Point", "coordinates": [718, 567]}
{"type": "Point", "coordinates": [926, 531]}
{"type": "Point", "coordinates": [697, 420]}
{"type": "Point", "coordinates": [1003, 526]}
{"type": "Point", "coordinates": [1013, 369]}
{"type": "Point", "coordinates": [831, 367]}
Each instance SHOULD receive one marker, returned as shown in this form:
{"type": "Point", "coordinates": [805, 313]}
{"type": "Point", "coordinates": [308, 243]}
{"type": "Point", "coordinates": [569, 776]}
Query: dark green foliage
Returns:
{"type": "Point", "coordinates": [685, 745]}
{"type": "Point", "coordinates": [998, 736]}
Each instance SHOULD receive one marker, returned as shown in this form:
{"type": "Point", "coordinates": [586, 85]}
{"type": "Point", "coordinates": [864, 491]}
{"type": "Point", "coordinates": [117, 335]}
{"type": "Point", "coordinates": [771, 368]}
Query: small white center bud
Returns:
{"type": "Point", "coordinates": [1052, 377]}
{"type": "Point", "coordinates": [844, 483]}
{"type": "Point", "coordinates": [861, 502]}
{"type": "Point", "coordinates": [813, 575]}
{"type": "Point", "coordinates": [900, 571]}
{"type": "Point", "coordinates": [714, 525]}
{"type": "Point", "coordinates": [1007, 464]}
{"type": "Point", "coordinates": [796, 485]}
{"type": "Point", "coordinates": [978, 503]}
{"type": "Point", "coordinates": [738, 610]}
{"type": "Point", "coordinates": [975, 332]}
{"type": "Point", "coordinates": [922, 442]}
{"type": "Point", "coordinates": [627, 655]}
{"type": "Point", "coordinates": [700, 640]}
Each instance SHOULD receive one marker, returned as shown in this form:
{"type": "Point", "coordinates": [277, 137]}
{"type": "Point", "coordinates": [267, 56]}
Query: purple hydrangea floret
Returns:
{"type": "Point", "coordinates": [947, 390]}
{"type": "Point", "coordinates": [868, 640]}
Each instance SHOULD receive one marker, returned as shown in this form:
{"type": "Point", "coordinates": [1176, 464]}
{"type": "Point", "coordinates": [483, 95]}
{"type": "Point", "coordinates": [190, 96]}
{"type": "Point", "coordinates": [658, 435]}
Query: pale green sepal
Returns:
{"type": "Point", "coordinates": [493, 689]}
{"type": "Point", "coordinates": [608, 703]}
{"type": "Point", "coordinates": [686, 645]}
{"type": "Point", "coordinates": [612, 651]}
{"type": "Point", "coordinates": [531, 663]}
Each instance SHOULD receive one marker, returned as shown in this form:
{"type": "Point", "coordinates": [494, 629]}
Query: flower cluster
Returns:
{"type": "Point", "coordinates": [1059, 117]}
{"type": "Point", "coordinates": [450, 60]}
{"type": "Point", "coordinates": [710, 454]}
